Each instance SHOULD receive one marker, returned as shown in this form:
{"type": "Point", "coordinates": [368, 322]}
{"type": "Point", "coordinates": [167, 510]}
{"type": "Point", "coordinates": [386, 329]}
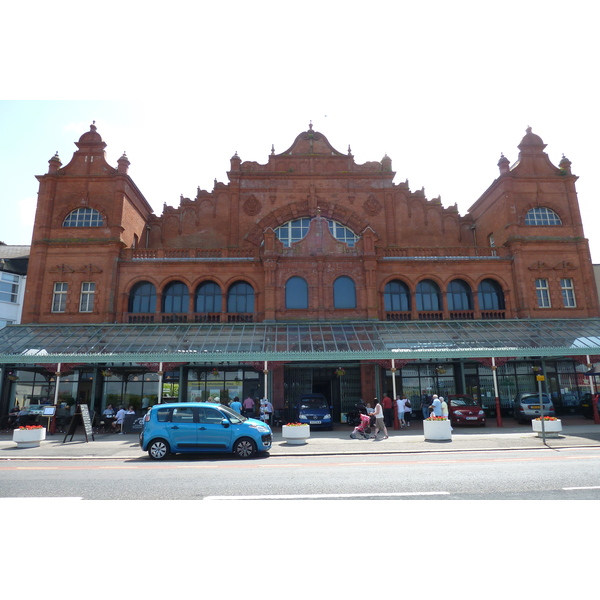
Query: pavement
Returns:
{"type": "Point", "coordinates": [577, 433]}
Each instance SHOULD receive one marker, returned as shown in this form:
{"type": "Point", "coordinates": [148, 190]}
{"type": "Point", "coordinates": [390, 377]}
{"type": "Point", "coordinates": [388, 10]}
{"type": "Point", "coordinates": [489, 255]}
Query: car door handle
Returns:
{"type": "Point", "coordinates": [202, 428]}
{"type": "Point", "coordinates": [175, 427]}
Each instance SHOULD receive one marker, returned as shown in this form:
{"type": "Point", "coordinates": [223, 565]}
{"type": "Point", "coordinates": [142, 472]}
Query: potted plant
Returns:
{"type": "Point", "coordinates": [295, 433]}
{"type": "Point", "coordinates": [437, 428]}
{"type": "Point", "coordinates": [552, 426]}
{"type": "Point", "coordinates": [29, 436]}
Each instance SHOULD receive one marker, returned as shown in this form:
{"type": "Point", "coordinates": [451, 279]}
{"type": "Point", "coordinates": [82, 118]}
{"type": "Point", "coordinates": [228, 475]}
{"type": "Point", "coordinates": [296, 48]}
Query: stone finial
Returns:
{"type": "Point", "coordinates": [54, 163]}
{"type": "Point", "coordinates": [565, 165]}
{"type": "Point", "coordinates": [123, 163]}
{"type": "Point", "coordinates": [503, 164]}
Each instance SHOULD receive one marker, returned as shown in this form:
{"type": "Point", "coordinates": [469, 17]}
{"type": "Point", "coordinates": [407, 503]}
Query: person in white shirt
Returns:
{"type": "Point", "coordinates": [401, 404]}
{"type": "Point", "coordinates": [266, 410]}
{"type": "Point", "coordinates": [437, 407]}
{"type": "Point", "coordinates": [379, 421]}
{"type": "Point", "coordinates": [118, 423]}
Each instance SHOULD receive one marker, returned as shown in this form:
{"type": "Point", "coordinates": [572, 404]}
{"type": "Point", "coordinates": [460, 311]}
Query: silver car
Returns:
{"type": "Point", "coordinates": [526, 406]}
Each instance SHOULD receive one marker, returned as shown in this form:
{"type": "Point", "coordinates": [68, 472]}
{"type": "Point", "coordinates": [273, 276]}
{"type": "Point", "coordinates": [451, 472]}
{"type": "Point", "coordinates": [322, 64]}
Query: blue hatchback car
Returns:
{"type": "Point", "coordinates": [193, 427]}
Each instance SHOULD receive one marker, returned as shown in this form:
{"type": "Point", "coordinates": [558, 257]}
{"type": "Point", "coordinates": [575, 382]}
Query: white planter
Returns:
{"type": "Point", "coordinates": [29, 438]}
{"type": "Point", "coordinates": [437, 430]}
{"type": "Point", "coordinates": [552, 428]}
{"type": "Point", "coordinates": [296, 434]}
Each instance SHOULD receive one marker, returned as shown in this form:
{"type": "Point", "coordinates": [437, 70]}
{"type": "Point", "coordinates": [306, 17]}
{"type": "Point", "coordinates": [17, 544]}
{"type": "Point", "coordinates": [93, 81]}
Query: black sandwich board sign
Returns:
{"type": "Point", "coordinates": [81, 417]}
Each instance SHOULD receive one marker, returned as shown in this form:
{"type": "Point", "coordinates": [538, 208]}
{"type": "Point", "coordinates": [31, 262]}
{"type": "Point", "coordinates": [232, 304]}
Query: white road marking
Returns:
{"type": "Point", "coordinates": [591, 487]}
{"type": "Point", "coordinates": [321, 496]}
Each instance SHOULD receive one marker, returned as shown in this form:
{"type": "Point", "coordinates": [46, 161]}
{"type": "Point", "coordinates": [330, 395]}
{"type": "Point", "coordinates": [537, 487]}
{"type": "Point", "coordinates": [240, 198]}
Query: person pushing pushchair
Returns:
{"type": "Point", "coordinates": [362, 430]}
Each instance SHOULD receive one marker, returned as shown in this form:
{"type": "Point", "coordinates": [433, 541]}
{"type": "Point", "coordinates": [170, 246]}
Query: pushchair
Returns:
{"type": "Point", "coordinates": [362, 430]}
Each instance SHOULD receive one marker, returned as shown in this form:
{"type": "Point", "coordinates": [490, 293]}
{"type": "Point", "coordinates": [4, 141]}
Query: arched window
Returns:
{"type": "Point", "coordinates": [459, 295]}
{"type": "Point", "coordinates": [490, 295]}
{"type": "Point", "coordinates": [208, 298]}
{"type": "Point", "coordinates": [294, 231]}
{"type": "Point", "coordinates": [83, 217]}
{"type": "Point", "coordinates": [240, 298]}
{"type": "Point", "coordinates": [142, 298]}
{"type": "Point", "coordinates": [428, 296]}
{"type": "Point", "coordinates": [176, 298]}
{"type": "Point", "coordinates": [396, 297]}
{"type": "Point", "coordinates": [344, 293]}
{"type": "Point", "coordinates": [541, 215]}
{"type": "Point", "coordinates": [342, 233]}
{"type": "Point", "coordinates": [296, 293]}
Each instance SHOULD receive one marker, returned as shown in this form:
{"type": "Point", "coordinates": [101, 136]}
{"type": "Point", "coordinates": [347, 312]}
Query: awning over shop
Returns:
{"type": "Point", "coordinates": [357, 340]}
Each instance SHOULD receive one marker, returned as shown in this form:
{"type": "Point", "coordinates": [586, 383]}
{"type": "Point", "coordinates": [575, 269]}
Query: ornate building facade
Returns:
{"type": "Point", "coordinates": [309, 236]}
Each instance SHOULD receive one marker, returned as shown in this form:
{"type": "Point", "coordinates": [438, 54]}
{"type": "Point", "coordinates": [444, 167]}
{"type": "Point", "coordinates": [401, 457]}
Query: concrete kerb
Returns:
{"type": "Point", "coordinates": [321, 443]}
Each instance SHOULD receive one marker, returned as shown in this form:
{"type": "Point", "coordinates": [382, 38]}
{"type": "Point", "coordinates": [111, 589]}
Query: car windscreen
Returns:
{"type": "Point", "coordinates": [233, 416]}
{"type": "Point", "coordinates": [463, 402]}
{"type": "Point", "coordinates": [312, 403]}
{"type": "Point", "coordinates": [535, 398]}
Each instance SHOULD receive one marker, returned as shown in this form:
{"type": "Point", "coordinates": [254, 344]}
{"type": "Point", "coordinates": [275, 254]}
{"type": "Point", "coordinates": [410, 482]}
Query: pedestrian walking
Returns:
{"type": "Point", "coordinates": [236, 405]}
{"type": "Point", "coordinates": [407, 411]}
{"type": "Point", "coordinates": [388, 410]}
{"type": "Point", "coordinates": [379, 421]}
{"type": "Point", "coordinates": [425, 404]}
{"type": "Point", "coordinates": [248, 407]}
{"type": "Point", "coordinates": [400, 407]}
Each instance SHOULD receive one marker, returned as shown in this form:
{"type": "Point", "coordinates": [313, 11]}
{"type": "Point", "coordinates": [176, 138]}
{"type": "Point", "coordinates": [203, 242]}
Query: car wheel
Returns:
{"type": "Point", "coordinates": [158, 449]}
{"type": "Point", "coordinates": [244, 448]}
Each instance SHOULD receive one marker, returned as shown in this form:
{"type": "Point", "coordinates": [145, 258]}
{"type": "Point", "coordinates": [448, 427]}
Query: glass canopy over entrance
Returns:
{"type": "Point", "coordinates": [34, 344]}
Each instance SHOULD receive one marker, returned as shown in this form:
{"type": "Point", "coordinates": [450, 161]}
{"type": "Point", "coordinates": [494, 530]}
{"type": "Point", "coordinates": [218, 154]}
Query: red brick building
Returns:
{"type": "Point", "coordinates": [308, 236]}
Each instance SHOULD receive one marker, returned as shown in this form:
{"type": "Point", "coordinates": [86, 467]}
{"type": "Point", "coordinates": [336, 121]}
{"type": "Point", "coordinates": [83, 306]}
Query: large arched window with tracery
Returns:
{"type": "Point", "coordinates": [294, 231]}
{"type": "Point", "coordinates": [142, 298]}
{"type": "Point", "coordinates": [83, 217]}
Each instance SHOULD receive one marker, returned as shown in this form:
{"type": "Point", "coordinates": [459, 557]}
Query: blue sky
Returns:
{"type": "Point", "coordinates": [442, 88]}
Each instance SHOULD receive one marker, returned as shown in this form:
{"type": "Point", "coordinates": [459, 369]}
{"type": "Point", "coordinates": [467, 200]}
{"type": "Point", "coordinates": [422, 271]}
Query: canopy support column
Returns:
{"type": "Point", "coordinates": [497, 397]}
{"type": "Point", "coordinates": [160, 382]}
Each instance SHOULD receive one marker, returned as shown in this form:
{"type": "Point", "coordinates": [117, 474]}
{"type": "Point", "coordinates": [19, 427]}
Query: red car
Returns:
{"type": "Point", "coordinates": [464, 410]}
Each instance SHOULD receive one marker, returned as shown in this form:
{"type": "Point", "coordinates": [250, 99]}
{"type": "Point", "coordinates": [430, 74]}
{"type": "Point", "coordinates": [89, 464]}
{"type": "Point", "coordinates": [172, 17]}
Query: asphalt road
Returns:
{"type": "Point", "coordinates": [564, 474]}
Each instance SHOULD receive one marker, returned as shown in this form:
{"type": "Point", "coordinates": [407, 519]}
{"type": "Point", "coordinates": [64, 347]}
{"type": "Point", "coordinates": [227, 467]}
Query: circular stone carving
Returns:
{"type": "Point", "coordinates": [252, 206]}
{"type": "Point", "coordinates": [372, 206]}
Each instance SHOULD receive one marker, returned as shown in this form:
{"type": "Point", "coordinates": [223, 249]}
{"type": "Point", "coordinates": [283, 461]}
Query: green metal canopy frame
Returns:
{"type": "Point", "coordinates": [339, 341]}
